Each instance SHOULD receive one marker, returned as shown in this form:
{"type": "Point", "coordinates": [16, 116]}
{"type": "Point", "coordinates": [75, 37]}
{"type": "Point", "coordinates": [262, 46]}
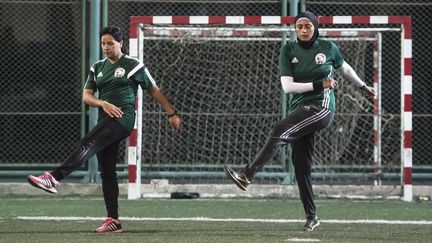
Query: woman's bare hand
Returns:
{"type": "Point", "coordinates": [112, 110]}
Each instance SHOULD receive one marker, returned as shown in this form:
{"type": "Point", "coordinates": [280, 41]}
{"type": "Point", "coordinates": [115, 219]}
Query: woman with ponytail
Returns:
{"type": "Point", "coordinates": [116, 79]}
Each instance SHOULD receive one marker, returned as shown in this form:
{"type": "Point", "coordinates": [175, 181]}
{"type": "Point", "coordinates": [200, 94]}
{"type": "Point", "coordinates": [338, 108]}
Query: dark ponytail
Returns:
{"type": "Point", "coordinates": [117, 34]}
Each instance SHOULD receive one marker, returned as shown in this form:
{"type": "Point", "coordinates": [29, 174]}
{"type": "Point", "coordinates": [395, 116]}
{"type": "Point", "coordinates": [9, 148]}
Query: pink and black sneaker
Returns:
{"type": "Point", "coordinates": [110, 225]}
{"type": "Point", "coordinates": [46, 182]}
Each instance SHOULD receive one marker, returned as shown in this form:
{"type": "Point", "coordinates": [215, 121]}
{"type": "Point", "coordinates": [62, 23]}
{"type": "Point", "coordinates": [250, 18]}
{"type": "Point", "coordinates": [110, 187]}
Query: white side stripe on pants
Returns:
{"type": "Point", "coordinates": [305, 123]}
{"type": "Point", "coordinates": [326, 100]}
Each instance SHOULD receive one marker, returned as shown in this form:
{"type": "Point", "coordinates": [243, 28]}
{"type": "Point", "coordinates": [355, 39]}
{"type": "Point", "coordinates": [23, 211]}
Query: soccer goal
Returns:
{"type": "Point", "coordinates": [221, 73]}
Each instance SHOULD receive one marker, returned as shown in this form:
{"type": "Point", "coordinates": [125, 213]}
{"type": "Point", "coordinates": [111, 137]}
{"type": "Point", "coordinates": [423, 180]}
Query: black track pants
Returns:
{"type": "Point", "coordinates": [302, 160]}
{"type": "Point", "coordinates": [298, 129]}
{"type": "Point", "coordinates": [103, 140]}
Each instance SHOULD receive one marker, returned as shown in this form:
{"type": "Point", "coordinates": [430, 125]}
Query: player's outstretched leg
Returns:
{"type": "Point", "coordinates": [46, 182]}
{"type": "Point", "coordinates": [239, 178]}
{"type": "Point", "coordinates": [110, 225]}
{"type": "Point", "coordinates": [311, 223]}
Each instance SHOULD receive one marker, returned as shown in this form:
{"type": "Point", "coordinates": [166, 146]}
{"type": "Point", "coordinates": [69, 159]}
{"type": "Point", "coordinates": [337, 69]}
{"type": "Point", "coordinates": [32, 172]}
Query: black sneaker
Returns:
{"type": "Point", "coordinates": [311, 223]}
{"type": "Point", "coordinates": [239, 178]}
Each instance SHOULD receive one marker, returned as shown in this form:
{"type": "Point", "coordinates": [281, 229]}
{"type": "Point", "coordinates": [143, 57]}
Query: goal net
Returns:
{"type": "Point", "coordinates": [224, 81]}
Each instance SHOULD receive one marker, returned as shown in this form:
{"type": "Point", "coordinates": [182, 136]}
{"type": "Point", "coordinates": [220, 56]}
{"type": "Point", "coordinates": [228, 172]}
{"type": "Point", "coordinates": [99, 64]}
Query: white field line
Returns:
{"type": "Point", "coordinates": [205, 219]}
{"type": "Point", "coordinates": [302, 240]}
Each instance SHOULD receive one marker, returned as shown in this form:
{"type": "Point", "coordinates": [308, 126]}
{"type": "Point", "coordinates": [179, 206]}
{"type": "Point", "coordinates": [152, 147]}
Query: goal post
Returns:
{"type": "Point", "coordinates": [225, 141]}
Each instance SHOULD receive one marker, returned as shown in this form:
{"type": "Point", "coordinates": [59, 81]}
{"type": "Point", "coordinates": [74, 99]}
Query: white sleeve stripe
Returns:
{"type": "Point", "coordinates": [133, 71]}
{"type": "Point", "coordinates": [93, 71]}
{"type": "Point", "coordinates": [150, 77]}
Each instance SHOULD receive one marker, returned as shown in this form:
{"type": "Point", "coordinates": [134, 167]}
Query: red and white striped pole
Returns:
{"type": "Point", "coordinates": [133, 188]}
{"type": "Point", "coordinates": [406, 107]}
{"type": "Point", "coordinates": [134, 145]}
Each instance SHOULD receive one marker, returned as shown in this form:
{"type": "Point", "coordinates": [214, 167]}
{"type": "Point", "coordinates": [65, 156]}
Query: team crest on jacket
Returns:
{"type": "Point", "coordinates": [119, 72]}
{"type": "Point", "coordinates": [320, 58]}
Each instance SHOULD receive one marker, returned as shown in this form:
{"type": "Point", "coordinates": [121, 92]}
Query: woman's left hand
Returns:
{"type": "Point", "coordinates": [370, 91]}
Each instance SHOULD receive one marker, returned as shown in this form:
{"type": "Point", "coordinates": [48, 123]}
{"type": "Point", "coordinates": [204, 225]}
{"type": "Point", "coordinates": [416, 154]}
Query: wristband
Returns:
{"type": "Point", "coordinates": [318, 86]}
{"type": "Point", "coordinates": [173, 114]}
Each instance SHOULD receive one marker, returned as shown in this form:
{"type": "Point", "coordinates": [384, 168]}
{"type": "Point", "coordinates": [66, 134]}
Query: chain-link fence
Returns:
{"type": "Point", "coordinates": [40, 112]}
{"type": "Point", "coordinates": [40, 89]}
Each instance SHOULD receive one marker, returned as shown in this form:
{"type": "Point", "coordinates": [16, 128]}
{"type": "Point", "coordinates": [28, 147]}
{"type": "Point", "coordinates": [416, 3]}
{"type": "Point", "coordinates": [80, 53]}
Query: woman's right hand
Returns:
{"type": "Point", "coordinates": [112, 110]}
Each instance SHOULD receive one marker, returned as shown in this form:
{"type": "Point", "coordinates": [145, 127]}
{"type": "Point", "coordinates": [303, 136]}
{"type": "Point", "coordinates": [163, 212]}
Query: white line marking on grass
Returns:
{"type": "Point", "coordinates": [302, 240]}
{"type": "Point", "coordinates": [205, 219]}
{"type": "Point", "coordinates": [377, 221]}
